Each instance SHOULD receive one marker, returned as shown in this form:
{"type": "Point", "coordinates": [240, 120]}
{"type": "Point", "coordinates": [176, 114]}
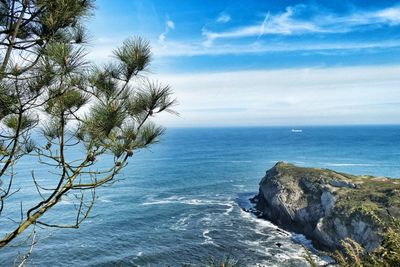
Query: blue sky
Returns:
{"type": "Point", "coordinates": [256, 63]}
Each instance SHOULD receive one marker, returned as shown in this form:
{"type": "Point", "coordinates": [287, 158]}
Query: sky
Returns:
{"type": "Point", "coordinates": [265, 62]}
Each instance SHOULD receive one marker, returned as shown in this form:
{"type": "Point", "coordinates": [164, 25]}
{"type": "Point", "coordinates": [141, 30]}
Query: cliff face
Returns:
{"type": "Point", "coordinates": [328, 206]}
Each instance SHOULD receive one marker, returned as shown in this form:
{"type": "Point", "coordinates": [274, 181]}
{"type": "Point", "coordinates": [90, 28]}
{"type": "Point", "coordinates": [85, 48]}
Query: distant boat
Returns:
{"type": "Point", "coordinates": [297, 130]}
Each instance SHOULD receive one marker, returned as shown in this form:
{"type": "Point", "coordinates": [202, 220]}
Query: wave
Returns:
{"type": "Point", "coordinates": [271, 234]}
{"type": "Point", "coordinates": [259, 222]}
{"type": "Point", "coordinates": [186, 201]}
{"type": "Point", "coordinates": [104, 200]}
{"type": "Point", "coordinates": [168, 200]}
{"type": "Point", "coordinates": [208, 239]}
{"type": "Point", "coordinates": [267, 245]}
{"type": "Point", "coordinates": [274, 254]}
{"type": "Point", "coordinates": [230, 209]}
{"type": "Point", "coordinates": [299, 238]}
{"type": "Point", "coordinates": [182, 223]}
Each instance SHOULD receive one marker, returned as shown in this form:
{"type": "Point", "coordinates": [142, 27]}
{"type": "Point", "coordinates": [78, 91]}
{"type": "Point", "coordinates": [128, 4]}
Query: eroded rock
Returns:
{"type": "Point", "coordinates": [327, 206]}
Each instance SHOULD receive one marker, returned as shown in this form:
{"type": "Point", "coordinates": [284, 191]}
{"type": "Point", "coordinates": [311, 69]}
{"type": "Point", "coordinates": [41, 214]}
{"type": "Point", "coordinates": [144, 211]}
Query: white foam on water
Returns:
{"type": "Point", "coordinates": [300, 238]}
{"type": "Point", "coordinates": [230, 209]}
{"type": "Point", "coordinates": [207, 220]}
{"type": "Point", "coordinates": [259, 222]}
{"type": "Point", "coordinates": [261, 250]}
{"type": "Point", "coordinates": [160, 202]}
{"type": "Point", "coordinates": [183, 200]}
{"type": "Point", "coordinates": [208, 239]}
{"type": "Point", "coordinates": [104, 200]}
{"type": "Point", "coordinates": [182, 223]}
{"type": "Point", "coordinates": [168, 200]}
{"type": "Point", "coordinates": [292, 251]}
{"type": "Point", "coordinates": [266, 264]}
{"type": "Point", "coordinates": [297, 254]}
{"type": "Point", "coordinates": [260, 232]}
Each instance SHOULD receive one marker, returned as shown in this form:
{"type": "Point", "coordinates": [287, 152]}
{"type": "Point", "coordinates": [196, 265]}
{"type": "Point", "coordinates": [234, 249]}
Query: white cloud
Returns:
{"type": "Point", "coordinates": [169, 25]}
{"type": "Point", "coordinates": [103, 50]}
{"type": "Point", "coordinates": [346, 95]}
{"type": "Point", "coordinates": [162, 37]}
{"type": "Point", "coordinates": [223, 18]}
{"type": "Point", "coordinates": [176, 49]}
{"type": "Point", "coordinates": [390, 16]}
{"type": "Point", "coordinates": [284, 23]}
{"type": "Point", "coordinates": [272, 24]}
{"type": "Point", "coordinates": [287, 23]}
{"type": "Point", "coordinates": [349, 95]}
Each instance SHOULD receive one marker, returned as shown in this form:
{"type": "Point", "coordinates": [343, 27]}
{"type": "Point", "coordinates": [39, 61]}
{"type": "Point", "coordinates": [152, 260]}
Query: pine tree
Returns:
{"type": "Point", "coordinates": [48, 87]}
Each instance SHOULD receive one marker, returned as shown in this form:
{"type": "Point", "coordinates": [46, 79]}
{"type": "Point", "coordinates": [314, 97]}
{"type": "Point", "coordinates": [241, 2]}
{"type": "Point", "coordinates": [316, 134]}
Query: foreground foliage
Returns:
{"type": "Point", "coordinates": [49, 90]}
{"type": "Point", "coordinates": [388, 254]}
{"type": "Point", "coordinates": [354, 255]}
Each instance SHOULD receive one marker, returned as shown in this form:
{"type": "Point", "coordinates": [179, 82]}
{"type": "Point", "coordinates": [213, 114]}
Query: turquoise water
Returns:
{"type": "Point", "coordinates": [179, 202]}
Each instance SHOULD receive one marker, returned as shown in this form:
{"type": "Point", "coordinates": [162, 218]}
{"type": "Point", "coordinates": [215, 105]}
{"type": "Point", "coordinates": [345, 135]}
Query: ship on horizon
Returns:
{"type": "Point", "coordinates": [297, 130]}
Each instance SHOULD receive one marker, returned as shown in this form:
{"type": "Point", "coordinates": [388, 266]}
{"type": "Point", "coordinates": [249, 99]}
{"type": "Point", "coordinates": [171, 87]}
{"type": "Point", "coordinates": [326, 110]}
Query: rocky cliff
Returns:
{"type": "Point", "coordinates": [328, 206]}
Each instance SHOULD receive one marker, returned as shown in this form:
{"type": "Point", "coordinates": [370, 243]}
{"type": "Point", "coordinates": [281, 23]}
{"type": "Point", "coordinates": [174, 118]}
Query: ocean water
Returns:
{"type": "Point", "coordinates": [180, 202]}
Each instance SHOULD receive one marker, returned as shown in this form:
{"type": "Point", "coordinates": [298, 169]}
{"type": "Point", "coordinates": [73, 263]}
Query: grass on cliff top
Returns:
{"type": "Point", "coordinates": [376, 199]}
{"type": "Point", "coordinates": [312, 174]}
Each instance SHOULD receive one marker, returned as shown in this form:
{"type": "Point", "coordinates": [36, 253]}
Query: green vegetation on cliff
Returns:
{"type": "Point", "coordinates": [370, 196]}
{"type": "Point", "coordinates": [357, 215]}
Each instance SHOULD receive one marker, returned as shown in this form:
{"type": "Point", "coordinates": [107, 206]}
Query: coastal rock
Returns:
{"type": "Point", "coordinates": [328, 206]}
{"type": "Point", "coordinates": [338, 183]}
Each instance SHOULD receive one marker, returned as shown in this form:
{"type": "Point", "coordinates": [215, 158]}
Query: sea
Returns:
{"type": "Point", "coordinates": [181, 201]}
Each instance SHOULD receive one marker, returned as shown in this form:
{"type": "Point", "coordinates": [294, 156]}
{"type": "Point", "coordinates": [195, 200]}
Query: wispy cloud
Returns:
{"type": "Point", "coordinates": [262, 28]}
{"type": "Point", "coordinates": [223, 18]}
{"type": "Point", "coordinates": [272, 24]}
{"type": "Point", "coordinates": [341, 95]}
{"type": "Point", "coordinates": [176, 49]}
{"type": "Point", "coordinates": [103, 49]}
{"type": "Point", "coordinates": [169, 25]}
{"type": "Point", "coordinates": [290, 22]}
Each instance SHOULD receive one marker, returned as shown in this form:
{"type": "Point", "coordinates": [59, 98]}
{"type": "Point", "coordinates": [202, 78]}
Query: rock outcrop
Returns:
{"type": "Point", "coordinates": [328, 206]}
